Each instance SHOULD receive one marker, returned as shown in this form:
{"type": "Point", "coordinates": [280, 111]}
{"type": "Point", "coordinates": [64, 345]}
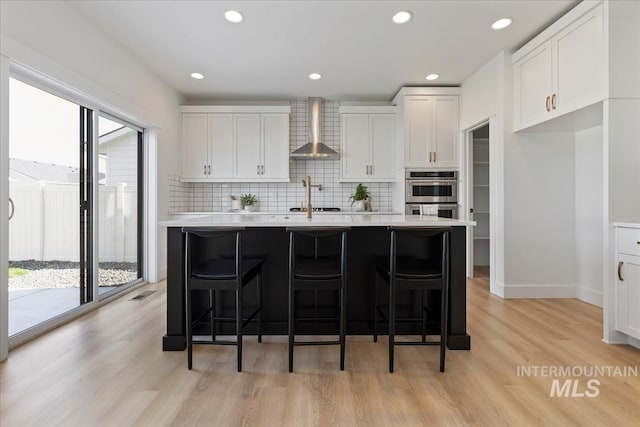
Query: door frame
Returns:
{"type": "Point", "coordinates": [467, 182]}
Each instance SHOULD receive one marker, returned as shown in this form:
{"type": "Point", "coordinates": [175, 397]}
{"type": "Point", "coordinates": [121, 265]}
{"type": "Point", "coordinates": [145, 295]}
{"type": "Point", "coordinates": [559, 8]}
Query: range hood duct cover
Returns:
{"type": "Point", "coordinates": [315, 150]}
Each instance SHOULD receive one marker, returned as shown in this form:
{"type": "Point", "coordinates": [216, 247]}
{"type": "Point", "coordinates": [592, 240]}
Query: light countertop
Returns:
{"type": "Point", "coordinates": [318, 220]}
{"type": "Point", "coordinates": [627, 224]}
{"type": "Point", "coordinates": [243, 212]}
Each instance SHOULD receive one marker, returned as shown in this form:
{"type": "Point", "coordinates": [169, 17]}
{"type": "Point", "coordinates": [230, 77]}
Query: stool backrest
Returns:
{"type": "Point", "coordinates": [192, 234]}
{"type": "Point", "coordinates": [426, 233]}
{"type": "Point", "coordinates": [318, 233]}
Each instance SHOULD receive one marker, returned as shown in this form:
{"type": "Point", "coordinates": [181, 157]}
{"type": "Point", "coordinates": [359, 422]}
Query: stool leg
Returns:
{"type": "Point", "coordinates": [291, 325]}
{"type": "Point", "coordinates": [212, 313]}
{"type": "Point", "coordinates": [424, 317]}
{"type": "Point", "coordinates": [260, 307]}
{"type": "Point", "coordinates": [392, 320]}
{"type": "Point", "coordinates": [375, 307]}
{"type": "Point", "coordinates": [343, 324]}
{"type": "Point", "coordinates": [239, 325]}
{"type": "Point", "coordinates": [188, 327]}
{"type": "Point", "coordinates": [444, 318]}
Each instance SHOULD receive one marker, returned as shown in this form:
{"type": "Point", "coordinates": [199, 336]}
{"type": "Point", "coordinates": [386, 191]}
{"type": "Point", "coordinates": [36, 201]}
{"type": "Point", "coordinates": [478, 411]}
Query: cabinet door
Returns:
{"type": "Point", "coordinates": [246, 130]}
{"type": "Point", "coordinates": [417, 130]}
{"type": "Point", "coordinates": [221, 145]}
{"type": "Point", "coordinates": [532, 84]}
{"type": "Point", "coordinates": [195, 155]}
{"type": "Point", "coordinates": [628, 295]}
{"type": "Point", "coordinates": [578, 71]}
{"type": "Point", "coordinates": [275, 147]}
{"type": "Point", "coordinates": [445, 131]}
{"type": "Point", "coordinates": [355, 146]}
{"type": "Point", "coordinates": [383, 145]}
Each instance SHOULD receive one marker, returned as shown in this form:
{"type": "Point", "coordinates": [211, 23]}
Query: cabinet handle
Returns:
{"type": "Point", "coordinates": [205, 170]}
{"type": "Point", "coordinates": [257, 169]}
{"type": "Point", "coordinates": [620, 271]}
{"type": "Point", "coordinates": [546, 103]}
{"type": "Point", "coordinates": [370, 169]}
{"type": "Point", "coordinates": [434, 157]}
{"type": "Point", "coordinates": [366, 169]}
{"type": "Point", "coordinates": [262, 169]}
{"type": "Point", "coordinates": [553, 101]}
{"type": "Point", "coordinates": [209, 169]}
{"type": "Point", "coordinates": [430, 155]}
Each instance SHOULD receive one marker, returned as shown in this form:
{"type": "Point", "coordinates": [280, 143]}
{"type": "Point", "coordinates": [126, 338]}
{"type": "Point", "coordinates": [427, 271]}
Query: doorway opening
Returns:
{"type": "Point", "coordinates": [479, 195]}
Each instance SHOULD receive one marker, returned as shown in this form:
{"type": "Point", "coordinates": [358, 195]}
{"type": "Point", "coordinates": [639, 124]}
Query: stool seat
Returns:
{"type": "Point", "coordinates": [225, 269]}
{"type": "Point", "coordinates": [320, 269]}
{"type": "Point", "coordinates": [410, 268]}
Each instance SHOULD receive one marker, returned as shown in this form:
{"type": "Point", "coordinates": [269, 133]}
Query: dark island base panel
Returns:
{"type": "Point", "coordinates": [364, 245]}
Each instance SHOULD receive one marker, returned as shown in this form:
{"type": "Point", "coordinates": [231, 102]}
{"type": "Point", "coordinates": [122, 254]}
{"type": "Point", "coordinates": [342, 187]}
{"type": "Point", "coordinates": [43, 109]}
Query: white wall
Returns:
{"type": "Point", "coordinates": [589, 214]}
{"type": "Point", "coordinates": [53, 38]}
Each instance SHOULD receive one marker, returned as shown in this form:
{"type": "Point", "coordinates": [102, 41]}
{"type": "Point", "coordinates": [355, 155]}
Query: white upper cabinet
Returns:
{"type": "Point", "coordinates": [220, 145]}
{"type": "Point", "coordinates": [368, 144]}
{"type": "Point", "coordinates": [195, 154]}
{"type": "Point", "coordinates": [561, 70]}
{"type": "Point", "coordinates": [431, 131]}
{"type": "Point", "coordinates": [235, 144]}
{"type": "Point", "coordinates": [275, 146]}
{"type": "Point", "coordinates": [248, 144]}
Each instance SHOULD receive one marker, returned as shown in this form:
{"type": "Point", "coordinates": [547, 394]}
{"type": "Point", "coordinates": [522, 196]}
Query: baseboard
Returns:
{"type": "Point", "coordinates": [162, 273]}
{"type": "Point", "coordinates": [634, 342]}
{"type": "Point", "coordinates": [497, 289]}
{"type": "Point", "coordinates": [590, 296]}
{"type": "Point", "coordinates": [539, 291]}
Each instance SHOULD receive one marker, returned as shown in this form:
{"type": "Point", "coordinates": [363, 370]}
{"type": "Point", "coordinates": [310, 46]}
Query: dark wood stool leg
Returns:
{"type": "Point", "coordinates": [260, 307]}
{"type": "Point", "coordinates": [291, 324]}
{"type": "Point", "coordinates": [424, 317]}
{"type": "Point", "coordinates": [375, 306]}
{"type": "Point", "coordinates": [189, 329]}
{"type": "Point", "coordinates": [444, 318]}
{"type": "Point", "coordinates": [343, 323]}
{"type": "Point", "coordinates": [239, 325]}
{"type": "Point", "coordinates": [212, 313]}
{"type": "Point", "coordinates": [392, 320]}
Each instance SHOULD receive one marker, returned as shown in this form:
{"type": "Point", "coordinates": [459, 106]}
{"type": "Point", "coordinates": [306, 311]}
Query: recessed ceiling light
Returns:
{"type": "Point", "coordinates": [197, 76]}
{"type": "Point", "coordinates": [402, 17]}
{"type": "Point", "coordinates": [233, 16]}
{"type": "Point", "coordinates": [315, 76]}
{"type": "Point", "coordinates": [432, 76]}
{"type": "Point", "coordinates": [501, 23]}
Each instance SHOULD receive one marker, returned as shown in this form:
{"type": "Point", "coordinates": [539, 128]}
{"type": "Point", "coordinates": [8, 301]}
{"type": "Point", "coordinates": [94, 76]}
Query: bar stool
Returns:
{"type": "Point", "coordinates": [228, 271]}
{"type": "Point", "coordinates": [412, 273]}
{"type": "Point", "coordinates": [316, 272]}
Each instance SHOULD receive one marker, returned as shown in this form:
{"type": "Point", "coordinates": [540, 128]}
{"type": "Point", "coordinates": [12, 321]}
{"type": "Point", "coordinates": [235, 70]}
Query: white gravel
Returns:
{"type": "Point", "coordinates": [64, 274]}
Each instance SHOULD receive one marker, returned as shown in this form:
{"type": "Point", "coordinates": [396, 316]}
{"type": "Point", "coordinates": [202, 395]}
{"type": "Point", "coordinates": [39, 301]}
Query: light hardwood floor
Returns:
{"type": "Point", "coordinates": [108, 369]}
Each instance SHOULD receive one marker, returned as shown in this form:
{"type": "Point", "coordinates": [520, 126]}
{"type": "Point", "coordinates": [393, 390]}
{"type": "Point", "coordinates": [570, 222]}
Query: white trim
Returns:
{"type": "Point", "coordinates": [589, 296]}
{"type": "Point", "coordinates": [150, 243]}
{"type": "Point", "coordinates": [4, 213]}
{"type": "Point", "coordinates": [424, 90]}
{"type": "Point", "coordinates": [498, 290]}
{"type": "Point", "coordinates": [539, 291]}
{"type": "Point", "coordinates": [634, 342]}
{"type": "Point", "coordinates": [251, 180]}
{"type": "Point", "coordinates": [235, 109]}
{"type": "Point", "coordinates": [368, 109]}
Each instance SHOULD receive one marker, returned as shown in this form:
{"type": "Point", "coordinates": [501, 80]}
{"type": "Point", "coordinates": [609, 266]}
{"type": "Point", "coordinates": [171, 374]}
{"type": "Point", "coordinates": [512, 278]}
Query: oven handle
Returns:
{"type": "Point", "coordinates": [431, 182]}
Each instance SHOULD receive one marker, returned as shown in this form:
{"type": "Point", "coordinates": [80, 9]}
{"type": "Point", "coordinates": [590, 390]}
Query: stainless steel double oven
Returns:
{"type": "Point", "coordinates": [432, 191]}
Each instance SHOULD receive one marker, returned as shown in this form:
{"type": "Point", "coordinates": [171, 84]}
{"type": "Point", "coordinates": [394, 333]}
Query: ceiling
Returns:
{"type": "Point", "coordinates": [360, 53]}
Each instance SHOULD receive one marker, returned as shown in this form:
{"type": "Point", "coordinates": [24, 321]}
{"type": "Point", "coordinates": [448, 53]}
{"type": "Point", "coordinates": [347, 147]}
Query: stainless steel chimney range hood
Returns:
{"type": "Point", "coordinates": [315, 150]}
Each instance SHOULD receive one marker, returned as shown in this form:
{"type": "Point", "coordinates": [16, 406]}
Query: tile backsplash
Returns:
{"type": "Point", "coordinates": [279, 197]}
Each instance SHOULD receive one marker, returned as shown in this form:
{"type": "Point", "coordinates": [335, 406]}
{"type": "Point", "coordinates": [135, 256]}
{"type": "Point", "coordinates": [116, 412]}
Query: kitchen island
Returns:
{"type": "Point", "coordinates": [266, 237]}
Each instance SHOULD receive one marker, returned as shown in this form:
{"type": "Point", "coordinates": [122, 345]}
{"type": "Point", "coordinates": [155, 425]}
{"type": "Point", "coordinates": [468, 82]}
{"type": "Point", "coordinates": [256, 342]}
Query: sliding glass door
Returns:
{"type": "Point", "coordinates": [120, 205]}
{"type": "Point", "coordinates": [76, 196]}
{"type": "Point", "coordinates": [50, 189]}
